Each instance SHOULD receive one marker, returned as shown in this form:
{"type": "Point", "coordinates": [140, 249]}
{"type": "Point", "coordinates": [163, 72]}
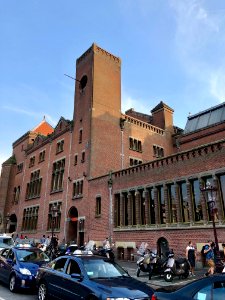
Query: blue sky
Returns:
{"type": "Point", "coordinates": [171, 50]}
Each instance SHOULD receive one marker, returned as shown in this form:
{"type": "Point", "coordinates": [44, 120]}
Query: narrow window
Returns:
{"type": "Point", "coordinates": [98, 206]}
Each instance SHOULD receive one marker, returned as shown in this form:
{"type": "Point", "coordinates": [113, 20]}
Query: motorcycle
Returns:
{"type": "Point", "coordinates": [179, 267]}
{"type": "Point", "coordinates": [150, 262]}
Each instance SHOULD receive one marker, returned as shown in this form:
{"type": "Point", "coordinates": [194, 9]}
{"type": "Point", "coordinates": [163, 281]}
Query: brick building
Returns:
{"type": "Point", "coordinates": [133, 177]}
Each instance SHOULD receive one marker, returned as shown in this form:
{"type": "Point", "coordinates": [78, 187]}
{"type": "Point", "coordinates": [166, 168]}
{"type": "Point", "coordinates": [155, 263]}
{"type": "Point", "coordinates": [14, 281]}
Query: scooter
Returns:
{"type": "Point", "coordinates": [143, 263]}
{"type": "Point", "coordinates": [157, 264]}
{"type": "Point", "coordinates": [179, 267]}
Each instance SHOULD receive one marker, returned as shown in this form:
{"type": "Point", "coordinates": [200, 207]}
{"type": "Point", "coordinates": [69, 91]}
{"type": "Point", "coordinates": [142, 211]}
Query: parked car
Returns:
{"type": "Point", "coordinates": [6, 241]}
{"type": "Point", "coordinates": [88, 277]}
{"type": "Point", "coordinates": [207, 288]}
{"type": "Point", "coordinates": [19, 265]}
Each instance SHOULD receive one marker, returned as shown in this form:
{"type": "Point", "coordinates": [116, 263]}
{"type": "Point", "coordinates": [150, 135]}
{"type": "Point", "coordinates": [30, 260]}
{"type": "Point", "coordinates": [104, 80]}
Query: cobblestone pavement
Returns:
{"type": "Point", "coordinates": [158, 282]}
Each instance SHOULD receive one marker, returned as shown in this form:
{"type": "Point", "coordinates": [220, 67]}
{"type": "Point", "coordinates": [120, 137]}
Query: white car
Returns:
{"type": "Point", "coordinates": [6, 241]}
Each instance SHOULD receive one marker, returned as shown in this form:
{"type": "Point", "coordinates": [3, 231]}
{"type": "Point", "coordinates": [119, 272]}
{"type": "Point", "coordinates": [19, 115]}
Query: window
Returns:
{"type": "Point", "coordinates": [54, 221]}
{"type": "Point", "coordinates": [135, 144]}
{"type": "Point", "coordinates": [78, 188]}
{"type": "Point", "coordinates": [73, 267]}
{"type": "Point", "coordinates": [98, 206]}
{"type": "Point", "coordinates": [83, 157]}
{"type": "Point", "coordinates": [32, 161]}
{"type": "Point", "coordinates": [34, 186]}
{"type": "Point", "coordinates": [75, 159]}
{"type": "Point", "coordinates": [30, 218]}
{"type": "Point", "coordinates": [184, 202]}
{"type": "Point", "coordinates": [195, 194]}
{"type": "Point", "coordinates": [20, 168]}
{"type": "Point", "coordinates": [42, 156]}
{"type": "Point", "coordinates": [158, 151]}
{"type": "Point", "coordinates": [161, 205]}
{"type": "Point", "coordinates": [59, 264]}
{"type": "Point", "coordinates": [60, 146]}
{"type": "Point", "coordinates": [172, 203]}
{"type": "Point", "coordinates": [58, 175]}
{"type": "Point", "coordinates": [16, 195]}
{"type": "Point", "coordinates": [215, 290]}
{"type": "Point", "coordinates": [80, 136]}
{"type": "Point", "coordinates": [135, 162]}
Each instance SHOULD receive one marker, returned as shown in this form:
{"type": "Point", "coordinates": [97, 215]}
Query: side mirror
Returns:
{"type": "Point", "coordinates": [76, 276]}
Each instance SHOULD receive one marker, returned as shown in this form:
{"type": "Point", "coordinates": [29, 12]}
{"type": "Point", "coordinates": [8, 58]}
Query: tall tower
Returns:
{"type": "Point", "coordinates": [97, 112]}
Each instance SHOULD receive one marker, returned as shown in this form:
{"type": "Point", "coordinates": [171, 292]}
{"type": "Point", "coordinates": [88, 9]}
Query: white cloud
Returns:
{"type": "Point", "coordinates": [200, 44]}
{"type": "Point", "coordinates": [129, 102]}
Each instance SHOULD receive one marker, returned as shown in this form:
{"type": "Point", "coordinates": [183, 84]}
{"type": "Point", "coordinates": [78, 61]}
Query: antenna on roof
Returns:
{"type": "Point", "coordinates": [72, 77]}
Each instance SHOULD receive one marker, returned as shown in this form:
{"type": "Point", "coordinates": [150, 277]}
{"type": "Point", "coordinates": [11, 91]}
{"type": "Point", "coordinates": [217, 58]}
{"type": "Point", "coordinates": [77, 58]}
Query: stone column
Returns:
{"type": "Point", "coordinates": [167, 204]}
{"type": "Point", "coordinates": [137, 207]}
{"type": "Point", "coordinates": [218, 204]}
{"type": "Point", "coordinates": [178, 203]}
{"type": "Point", "coordinates": [130, 210]}
{"type": "Point", "coordinates": [190, 203]}
{"type": "Point", "coordinates": [157, 208]}
{"type": "Point", "coordinates": [122, 212]}
{"type": "Point", "coordinates": [203, 203]}
{"type": "Point", "coordinates": [147, 207]}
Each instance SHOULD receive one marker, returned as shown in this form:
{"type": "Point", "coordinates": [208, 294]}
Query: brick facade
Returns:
{"type": "Point", "coordinates": [131, 176]}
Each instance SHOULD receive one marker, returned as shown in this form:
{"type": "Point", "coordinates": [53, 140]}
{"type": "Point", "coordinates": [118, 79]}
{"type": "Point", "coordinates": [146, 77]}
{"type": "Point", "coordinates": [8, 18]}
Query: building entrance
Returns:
{"type": "Point", "coordinates": [72, 227]}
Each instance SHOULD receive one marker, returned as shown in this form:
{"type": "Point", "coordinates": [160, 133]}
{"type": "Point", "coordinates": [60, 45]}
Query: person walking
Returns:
{"type": "Point", "coordinates": [209, 256]}
{"type": "Point", "coordinates": [191, 257]}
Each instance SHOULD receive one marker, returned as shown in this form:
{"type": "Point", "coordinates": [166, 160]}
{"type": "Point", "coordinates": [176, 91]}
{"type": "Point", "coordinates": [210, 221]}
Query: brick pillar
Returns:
{"type": "Point", "coordinates": [218, 203]}
{"type": "Point", "coordinates": [157, 208]}
{"type": "Point", "coordinates": [167, 204]}
{"type": "Point", "coordinates": [178, 203]}
{"type": "Point", "coordinates": [122, 212]}
{"type": "Point", "coordinates": [147, 207]}
{"type": "Point", "coordinates": [203, 203]}
{"type": "Point", "coordinates": [190, 203]}
{"type": "Point", "coordinates": [129, 208]}
{"type": "Point", "coordinates": [137, 207]}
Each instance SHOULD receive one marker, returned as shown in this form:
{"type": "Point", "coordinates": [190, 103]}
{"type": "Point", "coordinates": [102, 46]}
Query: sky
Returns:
{"type": "Point", "coordinates": [171, 51]}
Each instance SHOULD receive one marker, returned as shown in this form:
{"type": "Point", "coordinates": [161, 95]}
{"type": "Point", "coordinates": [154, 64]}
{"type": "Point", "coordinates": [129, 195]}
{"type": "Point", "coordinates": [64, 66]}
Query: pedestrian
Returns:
{"type": "Point", "coordinates": [42, 240]}
{"type": "Point", "coordinates": [209, 256]}
{"type": "Point", "coordinates": [191, 257]}
{"type": "Point", "coordinates": [47, 241]}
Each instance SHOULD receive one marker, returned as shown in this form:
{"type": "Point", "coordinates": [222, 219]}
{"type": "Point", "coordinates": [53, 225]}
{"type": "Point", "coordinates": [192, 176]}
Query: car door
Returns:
{"type": "Point", "coordinates": [6, 264]}
{"type": "Point", "coordinates": [74, 287]}
{"type": "Point", "coordinates": [3, 262]}
{"type": "Point", "coordinates": [54, 277]}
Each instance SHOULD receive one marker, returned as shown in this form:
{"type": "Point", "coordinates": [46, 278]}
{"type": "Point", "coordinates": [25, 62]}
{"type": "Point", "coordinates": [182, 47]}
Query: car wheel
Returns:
{"type": "Point", "coordinates": [42, 292]}
{"type": "Point", "coordinates": [12, 284]}
{"type": "Point", "coordinates": [168, 277]}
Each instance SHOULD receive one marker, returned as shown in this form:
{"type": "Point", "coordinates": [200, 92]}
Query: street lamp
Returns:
{"type": "Point", "coordinates": [210, 193]}
{"type": "Point", "coordinates": [54, 213]}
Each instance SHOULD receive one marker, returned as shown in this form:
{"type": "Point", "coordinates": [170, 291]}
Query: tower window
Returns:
{"type": "Point", "coordinates": [83, 82]}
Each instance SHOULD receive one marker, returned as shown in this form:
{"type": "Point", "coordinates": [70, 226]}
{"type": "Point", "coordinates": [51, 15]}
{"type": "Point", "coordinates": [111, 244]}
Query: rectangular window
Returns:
{"type": "Point", "coordinates": [58, 175]}
{"type": "Point", "coordinates": [30, 218]}
{"type": "Point", "coordinates": [16, 195]}
{"type": "Point", "coordinates": [161, 205]}
{"type": "Point", "coordinates": [184, 202]}
{"type": "Point", "coordinates": [20, 168]}
{"type": "Point", "coordinates": [78, 189]}
{"type": "Point", "coordinates": [98, 206]}
{"type": "Point", "coordinates": [135, 144]}
{"type": "Point", "coordinates": [195, 194]}
{"type": "Point", "coordinates": [135, 162]}
{"type": "Point", "coordinates": [32, 161]}
{"type": "Point", "coordinates": [80, 136]}
{"type": "Point", "coordinates": [54, 219]}
{"type": "Point", "coordinates": [42, 156]}
{"type": "Point", "coordinates": [75, 159]}
{"type": "Point", "coordinates": [60, 146]}
{"type": "Point", "coordinates": [158, 151]}
{"type": "Point", "coordinates": [172, 203]}
{"type": "Point", "coordinates": [34, 186]}
{"type": "Point", "coordinates": [83, 157]}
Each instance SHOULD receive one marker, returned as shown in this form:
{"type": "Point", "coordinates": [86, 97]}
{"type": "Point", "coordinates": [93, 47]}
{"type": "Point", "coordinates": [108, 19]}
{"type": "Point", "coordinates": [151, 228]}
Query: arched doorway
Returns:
{"type": "Point", "coordinates": [12, 223]}
{"type": "Point", "coordinates": [162, 246]}
{"type": "Point", "coordinates": [72, 227]}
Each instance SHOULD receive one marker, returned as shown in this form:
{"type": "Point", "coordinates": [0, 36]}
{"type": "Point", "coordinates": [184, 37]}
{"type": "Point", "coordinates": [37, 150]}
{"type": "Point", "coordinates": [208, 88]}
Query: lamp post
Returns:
{"type": "Point", "coordinates": [54, 213]}
{"type": "Point", "coordinates": [209, 193]}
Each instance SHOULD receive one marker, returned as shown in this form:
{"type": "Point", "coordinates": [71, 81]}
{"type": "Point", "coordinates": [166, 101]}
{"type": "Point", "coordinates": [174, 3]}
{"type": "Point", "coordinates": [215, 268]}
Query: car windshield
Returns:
{"type": "Point", "coordinates": [30, 255]}
{"type": "Point", "coordinates": [5, 242]}
{"type": "Point", "coordinates": [103, 269]}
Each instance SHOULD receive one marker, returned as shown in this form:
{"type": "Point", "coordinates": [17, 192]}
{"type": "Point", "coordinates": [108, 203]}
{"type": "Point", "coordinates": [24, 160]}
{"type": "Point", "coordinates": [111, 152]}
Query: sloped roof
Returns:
{"type": "Point", "coordinates": [43, 128]}
{"type": "Point", "coordinates": [160, 106]}
{"type": "Point", "coordinates": [206, 118]}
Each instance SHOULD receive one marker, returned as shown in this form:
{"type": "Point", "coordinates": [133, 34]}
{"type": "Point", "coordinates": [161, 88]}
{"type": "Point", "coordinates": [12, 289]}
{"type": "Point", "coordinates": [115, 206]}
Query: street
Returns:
{"type": "Point", "coordinates": [156, 282]}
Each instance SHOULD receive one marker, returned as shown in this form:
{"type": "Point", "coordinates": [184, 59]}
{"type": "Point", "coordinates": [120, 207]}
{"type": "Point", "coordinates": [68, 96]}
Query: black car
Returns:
{"type": "Point", "coordinates": [19, 265]}
{"type": "Point", "coordinates": [88, 277]}
{"type": "Point", "coordinates": [208, 288]}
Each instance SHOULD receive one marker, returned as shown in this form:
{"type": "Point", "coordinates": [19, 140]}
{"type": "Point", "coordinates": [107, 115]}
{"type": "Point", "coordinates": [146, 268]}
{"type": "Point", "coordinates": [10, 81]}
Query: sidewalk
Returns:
{"type": "Point", "coordinates": [158, 281]}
